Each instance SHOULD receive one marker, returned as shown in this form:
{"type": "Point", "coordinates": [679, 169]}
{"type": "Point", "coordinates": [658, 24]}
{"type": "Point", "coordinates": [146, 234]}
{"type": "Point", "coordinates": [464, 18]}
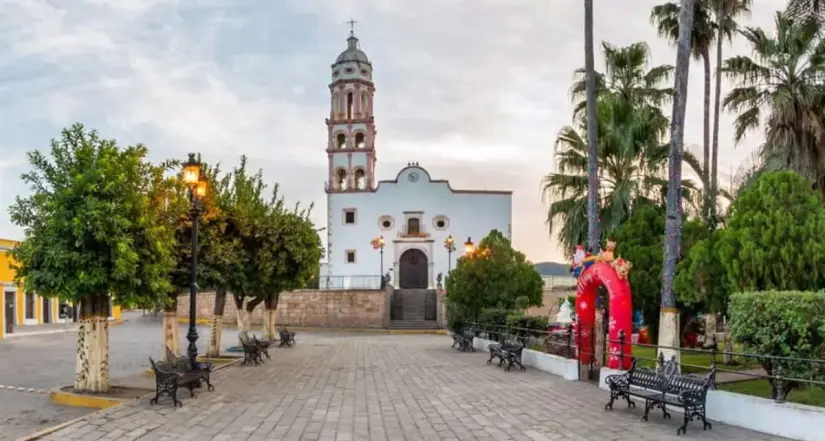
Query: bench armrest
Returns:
{"type": "Point", "coordinates": [618, 381]}
{"type": "Point", "coordinates": [692, 397]}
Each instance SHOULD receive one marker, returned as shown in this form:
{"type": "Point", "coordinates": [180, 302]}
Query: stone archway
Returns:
{"type": "Point", "coordinates": [413, 270]}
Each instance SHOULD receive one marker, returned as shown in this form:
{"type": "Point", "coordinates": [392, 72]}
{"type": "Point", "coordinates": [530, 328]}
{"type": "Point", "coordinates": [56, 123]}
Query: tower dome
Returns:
{"type": "Point", "coordinates": [353, 52]}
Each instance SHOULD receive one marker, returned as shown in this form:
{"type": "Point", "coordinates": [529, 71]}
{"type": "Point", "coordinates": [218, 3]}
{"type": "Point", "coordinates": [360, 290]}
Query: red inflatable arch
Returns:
{"type": "Point", "coordinates": [621, 316]}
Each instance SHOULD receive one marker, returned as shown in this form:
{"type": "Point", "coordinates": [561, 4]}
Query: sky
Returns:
{"type": "Point", "coordinates": [475, 91]}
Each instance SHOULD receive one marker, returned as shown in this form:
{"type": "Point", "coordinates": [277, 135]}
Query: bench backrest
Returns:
{"type": "Point", "coordinates": [648, 379]}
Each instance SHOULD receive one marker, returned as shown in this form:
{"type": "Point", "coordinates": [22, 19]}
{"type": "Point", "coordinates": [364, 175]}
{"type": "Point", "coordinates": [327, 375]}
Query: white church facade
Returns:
{"type": "Point", "coordinates": [412, 215]}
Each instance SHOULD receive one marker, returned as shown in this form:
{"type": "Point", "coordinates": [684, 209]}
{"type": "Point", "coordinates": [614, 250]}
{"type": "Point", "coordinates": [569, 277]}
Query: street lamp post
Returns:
{"type": "Point", "coordinates": [449, 245]}
{"type": "Point", "coordinates": [196, 182]}
{"type": "Point", "coordinates": [469, 246]}
{"type": "Point", "coordinates": [378, 244]}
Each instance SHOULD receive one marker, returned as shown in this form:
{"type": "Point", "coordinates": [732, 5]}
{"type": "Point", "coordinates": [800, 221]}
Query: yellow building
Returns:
{"type": "Point", "coordinates": [26, 309]}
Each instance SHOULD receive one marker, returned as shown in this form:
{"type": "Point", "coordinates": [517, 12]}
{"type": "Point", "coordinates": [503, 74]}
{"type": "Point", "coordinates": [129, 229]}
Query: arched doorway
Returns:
{"type": "Point", "coordinates": [413, 269]}
{"type": "Point", "coordinates": [620, 309]}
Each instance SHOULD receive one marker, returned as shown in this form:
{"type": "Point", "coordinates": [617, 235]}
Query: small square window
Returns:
{"type": "Point", "coordinates": [349, 216]}
{"type": "Point", "coordinates": [350, 256]}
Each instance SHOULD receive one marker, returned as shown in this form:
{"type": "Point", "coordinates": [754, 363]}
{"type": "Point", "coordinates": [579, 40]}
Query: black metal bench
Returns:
{"type": "Point", "coordinates": [661, 388]}
{"type": "Point", "coordinates": [464, 342]}
{"type": "Point", "coordinates": [179, 373]}
{"type": "Point", "coordinates": [287, 337]}
{"type": "Point", "coordinates": [509, 353]}
{"type": "Point", "coordinates": [263, 346]}
{"type": "Point", "coordinates": [252, 352]}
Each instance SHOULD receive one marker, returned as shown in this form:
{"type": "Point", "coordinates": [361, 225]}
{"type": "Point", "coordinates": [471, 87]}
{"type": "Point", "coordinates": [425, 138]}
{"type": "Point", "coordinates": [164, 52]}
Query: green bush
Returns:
{"type": "Point", "coordinates": [494, 320]}
{"type": "Point", "coordinates": [458, 317]}
{"type": "Point", "coordinates": [785, 324]}
{"type": "Point", "coordinates": [531, 322]}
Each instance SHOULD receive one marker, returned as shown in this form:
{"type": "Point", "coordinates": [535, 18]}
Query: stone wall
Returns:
{"type": "Point", "coordinates": [311, 308]}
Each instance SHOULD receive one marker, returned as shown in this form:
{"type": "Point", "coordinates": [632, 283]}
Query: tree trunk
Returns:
{"type": "Point", "coordinates": [669, 315]}
{"type": "Point", "coordinates": [727, 358]}
{"type": "Point", "coordinates": [92, 368]}
{"type": "Point", "coordinates": [599, 338]}
{"type": "Point", "coordinates": [710, 328]}
{"type": "Point", "coordinates": [270, 307]}
{"type": "Point", "coordinates": [714, 183]}
{"type": "Point", "coordinates": [171, 335]}
{"type": "Point", "coordinates": [706, 210]}
{"type": "Point", "coordinates": [214, 349]}
{"type": "Point", "coordinates": [593, 235]}
{"type": "Point", "coordinates": [241, 315]}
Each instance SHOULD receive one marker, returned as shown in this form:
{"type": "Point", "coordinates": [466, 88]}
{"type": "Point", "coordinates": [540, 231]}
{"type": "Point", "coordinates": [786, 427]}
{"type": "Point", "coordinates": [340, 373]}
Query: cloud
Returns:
{"type": "Point", "coordinates": [475, 93]}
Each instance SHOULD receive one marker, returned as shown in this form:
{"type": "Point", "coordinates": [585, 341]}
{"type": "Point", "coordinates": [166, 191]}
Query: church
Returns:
{"type": "Point", "coordinates": [400, 227]}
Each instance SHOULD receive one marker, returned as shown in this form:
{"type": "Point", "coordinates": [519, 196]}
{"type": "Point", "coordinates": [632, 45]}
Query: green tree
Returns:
{"type": "Point", "coordinates": [725, 14]}
{"type": "Point", "coordinates": [493, 275]}
{"type": "Point", "coordinates": [246, 210]}
{"type": "Point", "coordinates": [774, 236]}
{"type": "Point", "coordinates": [640, 240]}
{"type": "Point", "coordinates": [788, 324]}
{"type": "Point", "coordinates": [93, 229]}
{"type": "Point", "coordinates": [593, 227]}
{"type": "Point", "coordinates": [289, 258]}
{"type": "Point", "coordinates": [666, 19]}
{"type": "Point", "coordinates": [701, 280]}
{"type": "Point", "coordinates": [668, 324]}
{"type": "Point", "coordinates": [631, 152]}
{"type": "Point", "coordinates": [779, 90]}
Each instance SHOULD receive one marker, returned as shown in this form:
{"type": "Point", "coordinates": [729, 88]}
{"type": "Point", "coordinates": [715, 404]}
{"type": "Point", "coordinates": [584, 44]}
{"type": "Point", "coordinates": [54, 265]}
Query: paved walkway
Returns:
{"type": "Point", "coordinates": [384, 388]}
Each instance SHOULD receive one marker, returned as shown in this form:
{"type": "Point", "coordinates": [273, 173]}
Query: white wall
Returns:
{"type": "Point", "coordinates": [471, 214]}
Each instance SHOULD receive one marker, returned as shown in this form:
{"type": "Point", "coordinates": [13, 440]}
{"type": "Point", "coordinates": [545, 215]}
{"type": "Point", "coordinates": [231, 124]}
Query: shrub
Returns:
{"type": "Point", "coordinates": [785, 324]}
{"type": "Point", "coordinates": [458, 317]}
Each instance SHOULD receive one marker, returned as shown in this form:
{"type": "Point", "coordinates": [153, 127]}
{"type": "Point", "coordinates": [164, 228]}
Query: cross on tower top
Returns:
{"type": "Point", "coordinates": [351, 23]}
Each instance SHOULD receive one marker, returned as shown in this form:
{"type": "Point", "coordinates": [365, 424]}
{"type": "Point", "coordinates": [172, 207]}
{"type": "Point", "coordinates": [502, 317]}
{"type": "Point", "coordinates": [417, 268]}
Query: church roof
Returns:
{"type": "Point", "coordinates": [353, 52]}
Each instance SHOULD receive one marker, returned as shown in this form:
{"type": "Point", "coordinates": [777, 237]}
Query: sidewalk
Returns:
{"type": "Point", "coordinates": [51, 328]}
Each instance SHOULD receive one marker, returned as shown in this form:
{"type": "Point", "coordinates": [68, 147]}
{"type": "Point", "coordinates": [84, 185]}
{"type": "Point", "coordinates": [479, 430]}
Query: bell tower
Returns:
{"type": "Point", "coordinates": [351, 125]}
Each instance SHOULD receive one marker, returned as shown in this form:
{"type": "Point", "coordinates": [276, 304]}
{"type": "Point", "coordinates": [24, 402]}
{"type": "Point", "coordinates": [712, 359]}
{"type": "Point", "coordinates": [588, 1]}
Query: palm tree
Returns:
{"type": "Point", "coordinates": [592, 132]}
{"type": "Point", "coordinates": [668, 324]}
{"type": "Point", "coordinates": [725, 14]}
{"type": "Point", "coordinates": [631, 160]}
{"type": "Point", "coordinates": [666, 19]}
{"type": "Point", "coordinates": [626, 75]}
{"type": "Point", "coordinates": [781, 85]}
{"type": "Point", "coordinates": [806, 9]}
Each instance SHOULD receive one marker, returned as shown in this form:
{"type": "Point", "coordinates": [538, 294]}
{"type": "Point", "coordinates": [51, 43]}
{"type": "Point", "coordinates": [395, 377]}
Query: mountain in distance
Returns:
{"type": "Point", "coordinates": [552, 268]}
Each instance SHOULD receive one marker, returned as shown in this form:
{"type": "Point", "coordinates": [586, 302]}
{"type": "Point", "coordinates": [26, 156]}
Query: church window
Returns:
{"type": "Point", "coordinates": [413, 225]}
{"type": "Point", "coordinates": [441, 222]}
{"type": "Point", "coordinates": [364, 102]}
{"type": "Point", "coordinates": [385, 222]}
{"type": "Point", "coordinates": [336, 104]}
{"type": "Point", "coordinates": [365, 72]}
{"type": "Point", "coordinates": [341, 141]}
{"type": "Point", "coordinates": [350, 104]}
{"type": "Point", "coordinates": [335, 73]}
{"type": "Point", "coordinates": [349, 216]}
{"type": "Point", "coordinates": [349, 70]}
{"type": "Point", "coordinates": [350, 256]}
{"type": "Point", "coordinates": [360, 140]}
{"type": "Point", "coordinates": [341, 179]}
{"type": "Point", "coordinates": [360, 179]}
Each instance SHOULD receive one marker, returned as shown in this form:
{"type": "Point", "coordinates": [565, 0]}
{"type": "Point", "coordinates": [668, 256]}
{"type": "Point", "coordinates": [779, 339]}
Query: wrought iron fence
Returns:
{"type": "Point", "coordinates": [783, 374]}
{"type": "Point", "coordinates": [350, 282]}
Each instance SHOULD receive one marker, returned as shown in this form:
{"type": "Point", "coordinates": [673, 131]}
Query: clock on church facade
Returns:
{"type": "Point", "coordinates": [413, 213]}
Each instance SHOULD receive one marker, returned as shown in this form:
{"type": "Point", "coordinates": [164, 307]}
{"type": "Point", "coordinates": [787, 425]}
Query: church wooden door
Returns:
{"type": "Point", "coordinates": [413, 269]}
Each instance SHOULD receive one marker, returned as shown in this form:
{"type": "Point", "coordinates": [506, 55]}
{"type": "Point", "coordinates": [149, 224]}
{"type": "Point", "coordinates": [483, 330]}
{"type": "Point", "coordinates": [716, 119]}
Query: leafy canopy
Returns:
{"type": "Point", "coordinates": [774, 236]}
{"type": "Point", "coordinates": [493, 275]}
{"type": "Point", "coordinates": [93, 222]}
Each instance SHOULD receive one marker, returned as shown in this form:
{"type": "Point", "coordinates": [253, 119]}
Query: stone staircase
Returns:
{"type": "Point", "coordinates": [413, 309]}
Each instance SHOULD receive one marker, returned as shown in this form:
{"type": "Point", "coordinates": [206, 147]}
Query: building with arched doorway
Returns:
{"type": "Point", "coordinates": [413, 212]}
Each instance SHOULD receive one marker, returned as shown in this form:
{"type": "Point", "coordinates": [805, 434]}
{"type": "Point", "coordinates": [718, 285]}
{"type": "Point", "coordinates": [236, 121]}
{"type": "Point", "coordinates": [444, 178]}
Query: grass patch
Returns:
{"type": "Point", "coordinates": [647, 356]}
{"type": "Point", "coordinates": [812, 396]}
